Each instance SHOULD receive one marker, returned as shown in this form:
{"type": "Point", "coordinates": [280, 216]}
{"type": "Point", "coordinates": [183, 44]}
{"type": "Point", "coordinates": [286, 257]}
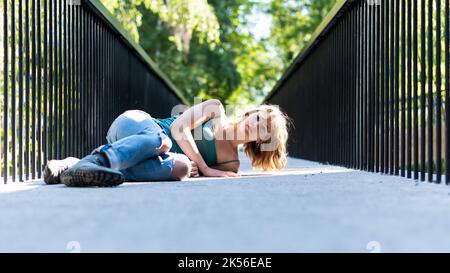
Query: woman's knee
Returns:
{"type": "Point", "coordinates": [181, 167]}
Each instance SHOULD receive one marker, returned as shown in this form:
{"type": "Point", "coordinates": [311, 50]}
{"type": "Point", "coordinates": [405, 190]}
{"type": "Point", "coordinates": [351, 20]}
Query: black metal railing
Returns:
{"type": "Point", "coordinates": [372, 89]}
{"type": "Point", "coordinates": [67, 70]}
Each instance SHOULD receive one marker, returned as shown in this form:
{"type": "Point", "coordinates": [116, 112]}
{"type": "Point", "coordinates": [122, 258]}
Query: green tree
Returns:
{"type": "Point", "coordinates": [207, 48]}
{"type": "Point", "coordinates": [293, 24]}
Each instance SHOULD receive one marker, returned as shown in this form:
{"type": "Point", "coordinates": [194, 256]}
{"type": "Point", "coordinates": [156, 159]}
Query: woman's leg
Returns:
{"type": "Point", "coordinates": [165, 167]}
{"type": "Point", "coordinates": [134, 137]}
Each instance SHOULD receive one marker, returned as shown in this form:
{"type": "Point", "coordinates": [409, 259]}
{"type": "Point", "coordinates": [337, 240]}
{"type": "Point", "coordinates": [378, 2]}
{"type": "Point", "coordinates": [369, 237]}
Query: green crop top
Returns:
{"type": "Point", "coordinates": [206, 145]}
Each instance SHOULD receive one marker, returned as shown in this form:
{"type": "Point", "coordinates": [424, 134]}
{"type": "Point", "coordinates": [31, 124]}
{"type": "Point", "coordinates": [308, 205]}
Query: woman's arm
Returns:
{"type": "Point", "coordinates": [190, 119]}
{"type": "Point", "coordinates": [229, 167]}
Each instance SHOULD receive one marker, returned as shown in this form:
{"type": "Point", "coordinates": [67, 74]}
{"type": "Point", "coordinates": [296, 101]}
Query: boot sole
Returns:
{"type": "Point", "coordinates": [54, 169]}
{"type": "Point", "coordinates": [91, 178]}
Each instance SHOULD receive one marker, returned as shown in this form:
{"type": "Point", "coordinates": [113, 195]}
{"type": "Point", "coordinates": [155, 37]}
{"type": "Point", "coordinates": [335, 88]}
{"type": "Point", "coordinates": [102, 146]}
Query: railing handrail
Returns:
{"type": "Point", "coordinates": [327, 23]}
{"type": "Point", "coordinates": [101, 10]}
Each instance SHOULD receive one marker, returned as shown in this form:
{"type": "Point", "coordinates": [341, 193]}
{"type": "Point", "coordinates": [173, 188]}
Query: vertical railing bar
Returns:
{"type": "Point", "coordinates": [332, 107]}
{"type": "Point", "coordinates": [85, 69]}
{"type": "Point", "coordinates": [415, 87]}
{"type": "Point", "coordinates": [363, 91]}
{"type": "Point", "coordinates": [342, 120]}
{"type": "Point", "coordinates": [75, 79]}
{"type": "Point", "coordinates": [60, 82]}
{"type": "Point", "coordinates": [92, 86]}
{"type": "Point", "coordinates": [70, 93]}
{"type": "Point", "coordinates": [337, 82]}
{"type": "Point", "coordinates": [38, 130]}
{"type": "Point", "coordinates": [403, 87]}
{"type": "Point", "coordinates": [357, 84]}
{"type": "Point", "coordinates": [89, 82]}
{"type": "Point", "coordinates": [364, 85]}
{"type": "Point", "coordinates": [72, 54]}
{"type": "Point", "coordinates": [372, 87]}
{"type": "Point", "coordinates": [101, 69]}
{"type": "Point", "coordinates": [93, 91]}
{"type": "Point", "coordinates": [352, 89]}
{"type": "Point", "coordinates": [337, 97]}
{"type": "Point", "coordinates": [374, 104]}
{"type": "Point", "coordinates": [5, 91]}
{"type": "Point", "coordinates": [369, 87]}
{"type": "Point", "coordinates": [381, 85]}
{"type": "Point", "coordinates": [422, 102]}
{"type": "Point", "coordinates": [438, 94]}
{"type": "Point", "coordinates": [361, 86]}
{"type": "Point", "coordinates": [397, 87]}
{"type": "Point", "coordinates": [330, 141]}
{"type": "Point", "coordinates": [45, 89]}
{"type": "Point", "coordinates": [100, 117]}
{"type": "Point", "coordinates": [347, 91]}
{"type": "Point", "coordinates": [33, 90]}
{"type": "Point", "coordinates": [447, 90]}
{"type": "Point", "coordinates": [50, 81]}
{"type": "Point", "coordinates": [342, 95]}
{"type": "Point", "coordinates": [103, 115]}
{"type": "Point", "coordinates": [80, 69]}
{"type": "Point", "coordinates": [110, 66]}
{"type": "Point", "coordinates": [79, 81]}
{"type": "Point", "coordinates": [409, 90]}
{"type": "Point", "coordinates": [430, 91]}
{"type": "Point", "coordinates": [21, 74]}
{"type": "Point", "coordinates": [13, 92]}
{"type": "Point", "coordinates": [348, 88]}
{"type": "Point", "coordinates": [97, 116]}
{"type": "Point", "coordinates": [387, 72]}
{"type": "Point", "coordinates": [66, 61]}
{"type": "Point", "coordinates": [377, 87]}
{"type": "Point", "coordinates": [55, 81]}
{"type": "Point", "coordinates": [107, 80]}
{"type": "Point", "coordinates": [392, 86]}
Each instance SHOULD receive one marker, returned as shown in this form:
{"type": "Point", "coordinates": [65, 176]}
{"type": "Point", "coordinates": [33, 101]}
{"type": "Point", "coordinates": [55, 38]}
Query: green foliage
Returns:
{"type": "Point", "coordinates": [207, 48]}
{"type": "Point", "coordinates": [294, 22]}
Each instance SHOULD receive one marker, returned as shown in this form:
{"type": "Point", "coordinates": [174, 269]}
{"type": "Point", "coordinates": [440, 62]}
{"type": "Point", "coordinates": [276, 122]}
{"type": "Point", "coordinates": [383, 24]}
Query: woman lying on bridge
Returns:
{"type": "Point", "coordinates": [143, 148]}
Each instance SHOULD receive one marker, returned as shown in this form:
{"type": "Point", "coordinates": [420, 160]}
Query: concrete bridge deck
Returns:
{"type": "Point", "coordinates": [309, 207]}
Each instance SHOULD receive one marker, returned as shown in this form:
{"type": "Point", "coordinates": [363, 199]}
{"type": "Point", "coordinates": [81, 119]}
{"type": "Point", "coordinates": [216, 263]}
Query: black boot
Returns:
{"type": "Point", "coordinates": [92, 170]}
{"type": "Point", "coordinates": [54, 168]}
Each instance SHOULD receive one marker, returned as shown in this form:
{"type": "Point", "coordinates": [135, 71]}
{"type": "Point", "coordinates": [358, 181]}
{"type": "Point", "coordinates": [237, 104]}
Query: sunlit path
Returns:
{"type": "Point", "coordinates": [307, 207]}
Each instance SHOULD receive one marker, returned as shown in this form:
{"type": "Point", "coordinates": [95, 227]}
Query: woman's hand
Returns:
{"type": "Point", "coordinates": [194, 169]}
{"type": "Point", "coordinates": [218, 173]}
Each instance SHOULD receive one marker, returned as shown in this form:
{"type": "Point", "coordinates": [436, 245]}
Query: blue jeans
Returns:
{"type": "Point", "coordinates": [134, 139]}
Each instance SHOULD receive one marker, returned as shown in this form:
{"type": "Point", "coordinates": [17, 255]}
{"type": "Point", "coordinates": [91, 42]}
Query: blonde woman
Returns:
{"type": "Point", "coordinates": [189, 144]}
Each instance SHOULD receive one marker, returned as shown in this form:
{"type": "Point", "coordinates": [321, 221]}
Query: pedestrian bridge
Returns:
{"type": "Point", "coordinates": [308, 207]}
{"type": "Point", "coordinates": [369, 97]}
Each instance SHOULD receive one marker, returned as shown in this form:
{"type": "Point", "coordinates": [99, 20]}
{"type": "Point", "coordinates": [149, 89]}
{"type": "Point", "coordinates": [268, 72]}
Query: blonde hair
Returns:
{"type": "Point", "coordinates": [278, 126]}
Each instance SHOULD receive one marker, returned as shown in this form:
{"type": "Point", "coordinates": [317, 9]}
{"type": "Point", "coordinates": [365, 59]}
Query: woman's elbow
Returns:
{"type": "Point", "coordinates": [213, 108]}
{"type": "Point", "coordinates": [176, 131]}
{"type": "Point", "coordinates": [214, 102]}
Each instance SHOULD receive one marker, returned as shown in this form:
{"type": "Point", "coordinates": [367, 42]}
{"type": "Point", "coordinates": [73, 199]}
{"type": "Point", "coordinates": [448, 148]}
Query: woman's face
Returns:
{"type": "Point", "coordinates": [255, 127]}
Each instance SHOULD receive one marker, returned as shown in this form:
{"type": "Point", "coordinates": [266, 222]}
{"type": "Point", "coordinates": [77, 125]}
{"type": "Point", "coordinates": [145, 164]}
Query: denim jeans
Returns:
{"type": "Point", "coordinates": [133, 142]}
